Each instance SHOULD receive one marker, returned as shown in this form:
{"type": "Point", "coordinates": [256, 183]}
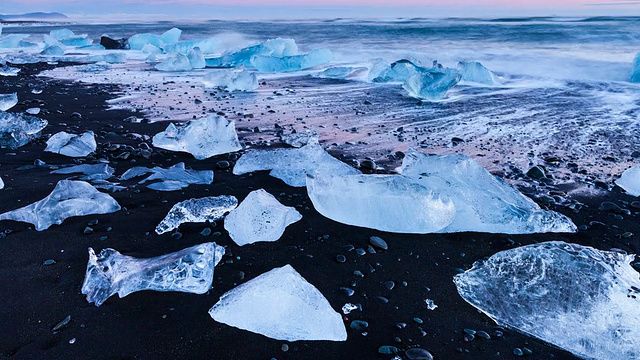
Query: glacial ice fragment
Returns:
{"type": "Point", "coordinates": [196, 59]}
{"type": "Point", "coordinates": [299, 139]}
{"type": "Point", "coordinates": [89, 172]}
{"type": "Point", "coordinates": [204, 138]}
{"type": "Point", "coordinates": [575, 297]}
{"type": "Point", "coordinates": [292, 165]}
{"type": "Point", "coordinates": [635, 75]}
{"type": "Point", "coordinates": [630, 181]}
{"type": "Point", "coordinates": [432, 84]}
{"type": "Point", "coordinates": [204, 209]}
{"type": "Point", "coordinates": [17, 130]}
{"type": "Point", "coordinates": [175, 62]}
{"type": "Point", "coordinates": [390, 203]}
{"type": "Point", "coordinates": [173, 178]}
{"type": "Point", "coordinates": [272, 64]}
{"type": "Point", "coordinates": [171, 36]}
{"type": "Point", "coordinates": [281, 305]}
{"type": "Point", "coordinates": [7, 101]}
{"type": "Point", "coordinates": [397, 71]}
{"type": "Point", "coordinates": [12, 41]}
{"type": "Point", "coordinates": [207, 46]}
{"type": "Point", "coordinates": [483, 202]}
{"type": "Point", "coordinates": [475, 72]}
{"type": "Point", "coordinates": [273, 47]}
{"type": "Point", "coordinates": [231, 79]}
{"type": "Point", "coordinates": [260, 217]}
{"type": "Point", "coordinates": [77, 41]}
{"type": "Point", "coordinates": [1, 184]}
{"type": "Point", "coordinates": [72, 145]}
{"type": "Point", "coordinates": [188, 270]}
{"type": "Point", "coordinates": [60, 34]}
{"type": "Point", "coordinates": [138, 41]}
{"type": "Point", "coordinates": [52, 51]}
{"type": "Point", "coordinates": [6, 70]}
{"type": "Point", "coordinates": [340, 72]}
{"type": "Point", "coordinates": [69, 198]}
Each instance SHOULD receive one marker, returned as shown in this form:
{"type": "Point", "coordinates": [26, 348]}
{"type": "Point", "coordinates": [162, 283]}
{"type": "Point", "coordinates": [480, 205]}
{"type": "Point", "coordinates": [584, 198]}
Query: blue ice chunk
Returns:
{"type": "Point", "coordinates": [51, 41]}
{"type": "Point", "coordinates": [138, 41]}
{"type": "Point", "coordinates": [196, 59]}
{"type": "Point", "coordinates": [115, 58]}
{"type": "Point", "coordinates": [78, 40]}
{"type": "Point", "coordinates": [475, 72]}
{"type": "Point", "coordinates": [24, 43]}
{"type": "Point", "coordinates": [231, 79]}
{"type": "Point", "coordinates": [207, 46]}
{"type": "Point", "coordinates": [60, 34]}
{"type": "Point", "coordinates": [340, 72]}
{"type": "Point", "coordinates": [432, 84]}
{"type": "Point", "coordinates": [18, 129]}
{"type": "Point", "coordinates": [92, 47]}
{"type": "Point", "coordinates": [175, 62]}
{"type": "Point", "coordinates": [12, 41]}
{"type": "Point", "coordinates": [274, 64]}
{"type": "Point", "coordinates": [52, 51]}
{"type": "Point", "coordinates": [635, 76]}
{"type": "Point", "coordinates": [173, 178]}
{"type": "Point", "coordinates": [171, 36]}
{"type": "Point", "coordinates": [397, 71]}
{"type": "Point", "coordinates": [273, 47]}
{"type": "Point", "coordinates": [7, 101]}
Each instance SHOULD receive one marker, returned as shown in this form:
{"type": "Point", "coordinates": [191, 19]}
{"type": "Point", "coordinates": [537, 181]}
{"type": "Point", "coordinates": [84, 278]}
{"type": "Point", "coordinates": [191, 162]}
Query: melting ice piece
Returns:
{"type": "Point", "coordinates": [175, 62]}
{"type": "Point", "coordinates": [6, 70]}
{"type": "Point", "coordinates": [281, 305]}
{"type": "Point", "coordinates": [138, 41]}
{"type": "Point", "coordinates": [299, 139]}
{"type": "Point", "coordinates": [272, 64]}
{"type": "Point", "coordinates": [60, 34]}
{"type": "Point", "coordinates": [173, 178]}
{"type": "Point", "coordinates": [340, 72]}
{"type": "Point", "coordinates": [188, 270]}
{"type": "Point", "coordinates": [90, 172]}
{"type": "Point", "coordinates": [204, 138]}
{"type": "Point", "coordinates": [260, 217]}
{"type": "Point", "coordinates": [17, 130]}
{"type": "Point", "coordinates": [69, 198]}
{"type": "Point", "coordinates": [635, 75]}
{"type": "Point", "coordinates": [273, 47]}
{"type": "Point", "coordinates": [397, 71]}
{"type": "Point", "coordinates": [7, 101]}
{"type": "Point", "coordinates": [20, 58]}
{"type": "Point", "coordinates": [484, 203]}
{"type": "Point", "coordinates": [72, 145]}
{"type": "Point", "coordinates": [12, 41]}
{"type": "Point", "coordinates": [196, 59]}
{"type": "Point", "coordinates": [209, 208]}
{"type": "Point", "coordinates": [384, 202]}
{"type": "Point", "coordinates": [292, 165]}
{"type": "Point", "coordinates": [207, 46]}
{"type": "Point", "coordinates": [630, 181]}
{"type": "Point", "coordinates": [231, 79]}
{"type": "Point", "coordinates": [575, 297]}
{"type": "Point", "coordinates": [432, 84]}
{"type": "Point", "coordinates": [475, 72]}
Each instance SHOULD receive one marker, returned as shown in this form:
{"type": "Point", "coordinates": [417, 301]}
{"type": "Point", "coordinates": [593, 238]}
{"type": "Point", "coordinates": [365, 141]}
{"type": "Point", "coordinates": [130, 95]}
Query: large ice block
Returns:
{"type": "Point", "coordinates": [17, 130]}
{"type": "Point", "coordinates": [635, 74]}
{"type": "Point", "coordinates": [72, 145]}
{"type": "Point", "coordinates": [578, 298]}
{"type": "Point", "coordinates": [69, 198]}
{"type": "Point", "coordinates": [204, 138]}
{"type": "Point", "coordinates": [432, 84]}
{"type": "Point", "coordinates": [483, 202]}
{"type": "Point", "coordinates": [60, 34]}
{"type": "Point", "coordinates": [273, 64]}
{"type": "Point", "coordinates": [260, 217]}
{"type": "Point", "coordinates": [12, 41]}
{"type": "Point", "coordinates": [188, 270]}
{"type": "Point", "coordinates": [173, 178]}
{"type": "Point", "coordinates": [292, 165]}
{"type": "Point", "coordinates": [196, 59]}
{"type": "Point", "coordinates": [138, 41]}
{"type": "Point", "coordinates": [273, 47]}
{"type": "Point", "coordinates": [390, 203]}
{"type": "Point", "coordinates": [175, 62]}
{"type": "Point", "coordinates": [630, 181]}
{"type": "Point", "coordinates": [52, 51]}
{"type": "Point", "coordinates": [281, 305]}
{"type": "Point", "coordinates": [231, 79]}
{"type": "Point", "coordinates": [209, 208]}
{"type": "Point", "coordinates": [90, 172]}
{"type": "Point", "coordinates": [475, 72]}
{"type": "Point", "coordinates": [7, 101]}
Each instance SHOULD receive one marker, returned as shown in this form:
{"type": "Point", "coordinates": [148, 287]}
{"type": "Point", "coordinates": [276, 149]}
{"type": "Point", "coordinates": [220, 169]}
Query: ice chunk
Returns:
{"type": "Point", "coordinates": [60, 34]}
{"type": "Point", "coordinates": [52, 51]}
{"type": "Point", "coordinates": [475, 72]}
{"type": "Point", "coordinates": [90, 172]}
{"type": "Point", "coordinates": [138, 41]}
{"type": "Point", "coordinates": [6, 70]}
{"type": "Point", "coordinates": [635, 75]}
{"type": "Point", "coordinates": [297, 139]}
{"type": "Point", "coordinates": [77, 41]}
{"type": "Point", "coordinates": [20, 58]}
{"type": "Point", "coordinates": [340, 72]}
{"type": "Point", "coordinates": [260, 217]}
{"type": "Point", "coordinates": [272, 64]}
{"type": "Point", "coordinates": [398, 71]}
{"type": "Point", "coordinates": [196, 59]}
{"type": "Point", "coordinates": [292, 165]}
{"type": "Point", "coordinates": [69, 198]}
{"type": "Point", "coordinates": [151, 49]}
{"type": "Point", "coordinates": [209, 208]}
{"type": "Point", "coordinates": [1, 184]}
{"type": "Point", "coordinates": [113, 58]}
{"type": "Point", "coordinates": [171, 36]}
{"type": "Point", "coordinates": [432, 84]}
{"type": "Point", "coordinates": [188, 270]}
{"type": "Point", "coordinates": [231, 79]}
{"type": "Point", "coordinates": [575, 297]}
{"type": "Point", "coordinates": [207, 46]}
{"type": "Point", "coordinates": [281, 305]}
{"type": "Point", "coordinates": [204, 138]}
{"type": "Point", "coordinates": [384, 202]}
{"type": "Point", "coordinates": [17, 130]}
{"type": "Point", "coordinates": [72, 145]}
{"type": "Point", "coordinates": [7, 101]}
{"type": "Point", "coordinates": [483, 202]}
{"type": "Point", "coordinates": [273, 47]}
{"type": "Point", "coordinates": [12, 41]}
{"type": "Point", "coordinates": [175, 62]}
{"type": "Point", "coordinates": [173, 178]}
{"type": "Point", "coordinates": [630, 181]}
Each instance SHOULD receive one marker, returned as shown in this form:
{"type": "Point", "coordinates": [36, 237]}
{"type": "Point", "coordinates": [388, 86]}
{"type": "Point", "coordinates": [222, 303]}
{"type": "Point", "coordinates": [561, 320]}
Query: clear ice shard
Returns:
{"type": "Point", "coordinates": [196, 59]}
{"type": "Point", "coordinates": [17, 130]}
{"type": "Point", "coordinates": [390, 203]}
{"type": "Point", "coordinates": [630, 181]}
{"type": "Point", "coordinates": [7, 101]}
{"type": "Point", "coordinates": [282, 305]}
{"type": "Point", "coordinates": [292, 165]}
{"type": "Point", "coordinates": [204, 209]}
{"type": "Point", "coordinates": [69, 198]}
{"type": "Point", "coordinates": [231, 79]}
{"type": "Point", "coordinates": [432, 84]}
{"type": "Point", "coordinates": [635, 75]}
{"type": "Point", "coordinates": [188, 270]}
{"type": "Point", "coordinates": [173, 178]}
{"type": "Point", "coordinates": [483, 202]}
{"type": "Point", "coordinates": [72, 145]}
{"type": "Point", "coordinates": [260, 217]}
{"type": "Point", "coordinates": [204, 138]}
{"type": "Point", "coordinates": [578, 298]}
{"type": "Point", "coordinates": [397, 71]}
{"type": "Point", "coordinates": [299, 139]}
{"type": "Point", "coordinates": [175, 62]}
{"type": "Point", "coordinates": [273, 64]}
{"type": "Point", "coordinates": [89, 172]}
{"type": "Point", "coordinates": [273, 47]}
{"type": "Point", "coordinates": [475, 72]}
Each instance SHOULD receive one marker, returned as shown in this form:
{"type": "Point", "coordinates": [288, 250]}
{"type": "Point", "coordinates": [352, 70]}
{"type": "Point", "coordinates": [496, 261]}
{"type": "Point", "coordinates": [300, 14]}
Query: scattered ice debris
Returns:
{"type": "Point", "coordinates": [635, 74]}
{"type": "Point", "coordinates": [12, 41]}
{"type": "Point", "coordinates": [138, 41]}
{"type": "Point", "coordinates": [196, 59]}
{"type": "Point", "coordinates": [340, 72]}
{"type": "Point", "coordinates": [575, 297]}
{"type": "Point", "coordinates": [69, 198]}
{"type": "Point", "coordinates": [175, 62]}
{"type": "Point", "coordinates": [299, 139]}
{"type": "Point", "coordinates": [231, 79]}
{"type": "Point", "coordinates": [173, 178]}
{"type": "Point", "coordinates": [7, 101]}
{"type": "Point", "coordinates": [273, 47]}
{"type": "Point", "coordinates": [292, 165]}
{"type": "Point", "coordinates": [6, 70]}
{"type": "Point", "coordinates": [475, 72]}
{"type": "Point", "coordinates": [281, 305]}
{"type": "Point", "coordinates": [260, 217]}
{"type": "Point", "coordinates": [431, 305]}
{"type": "Point", "coordinates": [390, 203]}
{"type": "Point", "coordinates": [188, 270]}
{"type": "Point", "coordinates": [397, 71]}
{"type": "Point", "coordinates": [630, 181]}
{"type": "Point", "coordinates": [17, 130]}
{"type": "Point", "coordinates": [432, 84]}
{"type": "Point", "coordinates": [204, 138]}
{"type": "Point", "coordinates": [72, 145]}
{"type": "Point", "coordinates": [272, 64]}
{"type": "Point", "coordinates": [90, 172]}
{"type": "Point", "coordinates": [483, 202]}
{"type": "Point", "coordinates": [209, 208]}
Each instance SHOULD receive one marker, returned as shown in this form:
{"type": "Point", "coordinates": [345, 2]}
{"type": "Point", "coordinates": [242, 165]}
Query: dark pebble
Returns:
{"type": "Point", "coordinates": [635, 204]}
{"type": "Point", "coordinates": [341, 258]}
{"type": "Point", "coordinates": [49, 262]}
{"type": "Point", "coordinates": [359, 325]}
{"type": "Point", "coordinates": [378, 242]}
{"type": "Point", "coordinates": [223, 164]}
{"type": "Point", "coordinates": [176, 235]}
{"type": "Point", "coordinates": [361, 251]}
{"type": "Point", "coordinates": [88, 230]}
{"type": "Point", "coordinates": [389, 285]}
{"type": "Point", "coordinates": [517, 352]}
{"type": "Point", "coordinates": [382, 299]}
{"type": "Point", "coordinates": [348, 291]}
{"type": "Point", "coordinates": [388, 350]}
{"type": "Point", "coordinates": [536, 173]}
{"type": "Point", "coordinates": [526, 351]}
{"type": "Point", "coordinates": [418, 354]}
{"type": "Point", "coordinates": [483, 334]}
{"type": "Point", "coordinates": [368, 164]}
{"type": "Point", "coordinates": [205, 232]}
{"type": "Point", "coordinates": [417, 320]}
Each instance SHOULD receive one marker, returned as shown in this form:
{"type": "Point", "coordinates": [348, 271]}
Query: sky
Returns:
{"type": "Point", "coordinates": [313, 9]}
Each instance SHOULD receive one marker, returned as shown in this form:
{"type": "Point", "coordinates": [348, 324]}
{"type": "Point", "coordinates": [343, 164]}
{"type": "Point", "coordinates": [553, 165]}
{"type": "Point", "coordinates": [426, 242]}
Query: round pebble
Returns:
{"type": "Point", "coordinates": [341, 258]}
{"type": "Point", "coordinates": [285, 347]}
{"type": "Point", "coordinates": [49, 262]}
{"type": "Point", "coordinates": [417, 320]}
{"type": "Point", "coordinates": [388, 350]}
{"type": "Point", "coordinates": [517, 352]}
{"type": "Point", "coordinates": [359, 325]}
{"type": "Point", "coordinates": [205, 232]}
{"type": "Point", "coordinates": [483, 334]}
{"type": "Point", "coordinates": [378, 242]}
{"type": "Point", "coordinates": [418, 354]}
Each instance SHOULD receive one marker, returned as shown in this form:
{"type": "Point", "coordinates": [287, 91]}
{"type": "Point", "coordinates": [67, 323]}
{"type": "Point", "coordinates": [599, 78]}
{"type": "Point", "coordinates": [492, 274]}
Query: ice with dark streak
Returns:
{"type": "Point", "coordinates": [273, 64]}
{"type": "Point", "coordinates": [238, 79]}
{"type": "Point", "coordinates": [17, 130]}
{"type": "Point", "coordinates": [173, 178]}
{"type": "Point", "coordinates": [72, 145]}
{"type": "Point", "coordinates": [200, 210]}
{"type": "Point", "coordinates": [282, 305]}
{"type": "Point", "coordinates": [475, 72]}
{"type": "Point", "coordinates": [397, 71]}
{"type": "Point", "coordinates": [273, 47]}
{"type": "Point", "coordinates": [7, 101]}
{"type": "Point", "coordinates": [578, 298]}
{"type": "Point", "coordinates": [432, 83]}
{"type": "Point", "coordinates": [188, 270]}
{"type": "Point", "coordinates": [483, 202]}
{"type": "Point", "coordinates": [69, 198]}
{"type": "Point", "coordinates": [630, 181]}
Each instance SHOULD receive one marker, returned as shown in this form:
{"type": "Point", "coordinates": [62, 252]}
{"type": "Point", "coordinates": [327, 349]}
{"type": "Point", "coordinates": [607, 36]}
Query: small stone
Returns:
{"type": "Point", "coordinates": [536, 173]}
{"type": "Point", "coordinates": [388, 350]}
{"type": "Point", "coordinates": [72, 341]}
{"type": "Point", "coordinates": [627, 234]}
{"type": "Point", "coordinates": [518, 352]}
{"type": "Point", "coordinates": [389, 285]}
{"type": "Point", "coordinates": [76, 115]}
{"type": "Point", "coordinates": [223, 164]}
{"type": "Point", "coordinates": [103, 238]}
{"type": "Point", "coordinates": [382, 299]}
{"type": "Point", "coordinates": [349, 307]}
{"type": "Point", "coordinates": [348, 291]}
{"type": "Point", "coordinates": [284, 347]}
{"type": "Point", "coordinates": [359, 325]}
{"type": "Point", "coordinates": [418, 354]}
{"type": "Point", "coordinates": [635, 204]}
{"type": "Point", "coordinates": [483, 334]}
{"type": "Point", "coordinates": [401, 325]}
{"type": "Point", "coordinates": [62, 324]}
{"type": "Point", "coordinates": [368, 164]}
{"type": "Point", "coordinates": [205, 232]}
{"type": "Point", "coordinates": [93, 222]}
{"type": "Point", "coordinates": [469, 331]}
{"type": "Point", "coordinates": [49, 262]}
{"type": "Point", "coordinates": [87, 230]}
{"type": "Point", "coordinates": [583, 227]}
{"type": "Point", "coordinates": [176, 235]}
{"type": "Point", "coordinates": [527, 351]}
{"type": "Point", "coordinates": [361, 251]}
{"type": "Point", "coordinates": [417, 320]}
{"type": "Point", "coordinates": [378, 242]}
{"type": "Point", "coordinates": [469, 337]}
{"type": "Point", "coordinates": [358, 273]}
{"type": "Point", "coordinates": [341, 258]}
{"type": "Point", "coordinates": [456, 141]}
